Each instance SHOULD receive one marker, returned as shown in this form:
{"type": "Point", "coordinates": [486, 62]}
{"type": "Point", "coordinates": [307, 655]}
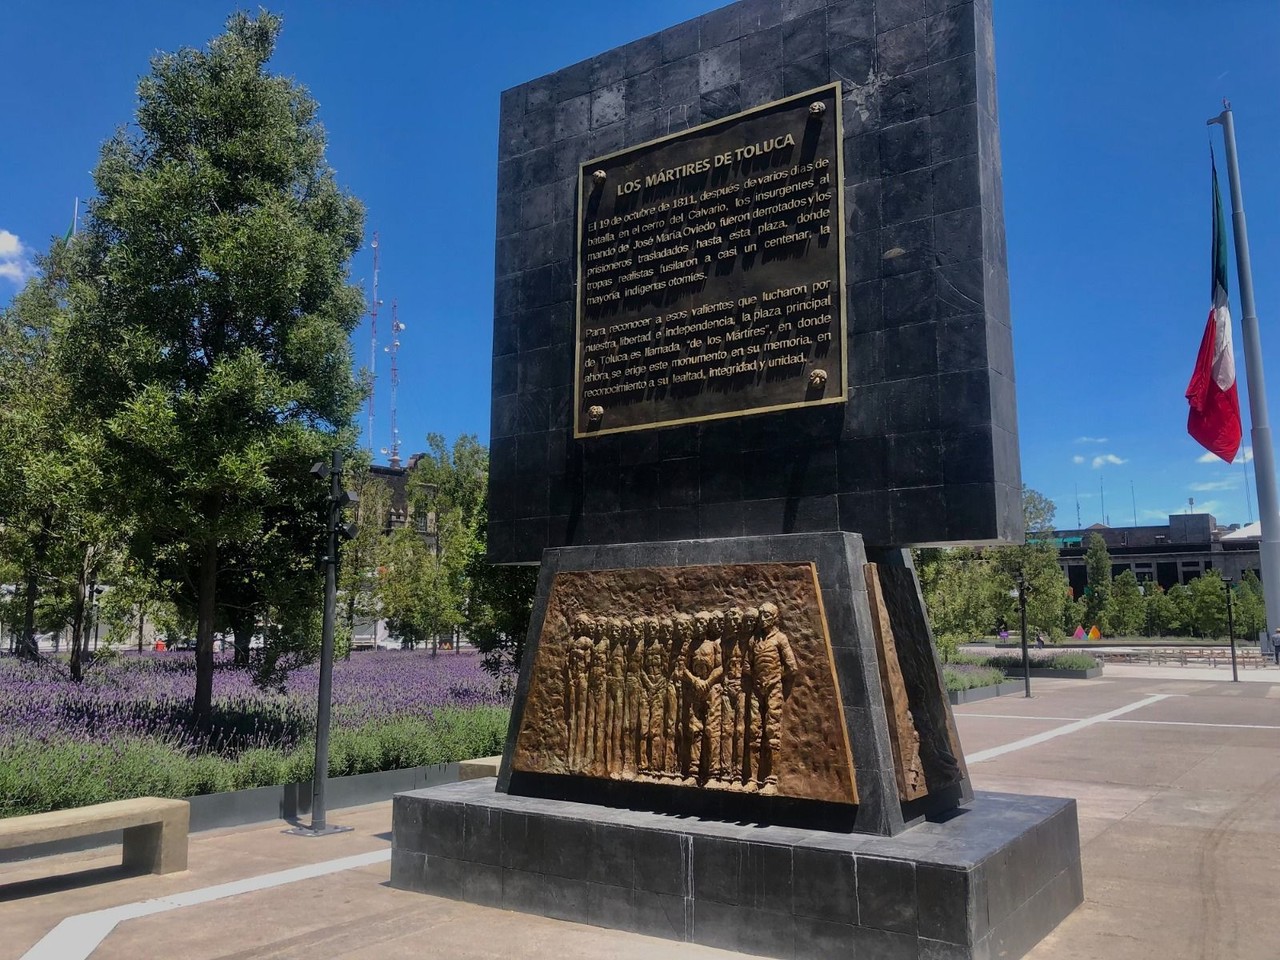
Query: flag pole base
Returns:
{"type": "Point", "coordinates": [325, 831]}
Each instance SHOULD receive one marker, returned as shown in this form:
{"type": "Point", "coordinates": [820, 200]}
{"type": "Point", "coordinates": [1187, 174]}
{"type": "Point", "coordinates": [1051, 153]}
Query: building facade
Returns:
{"type": "Point", "coordinates": [1181, 550]}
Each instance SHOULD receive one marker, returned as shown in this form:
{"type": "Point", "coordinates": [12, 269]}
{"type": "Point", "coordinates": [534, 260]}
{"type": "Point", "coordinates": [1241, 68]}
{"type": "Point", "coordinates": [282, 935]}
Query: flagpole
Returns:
{"type": "Point", "coordinates": [1264, 466]}
{"type": "Point", "coordinates": [75, 217]}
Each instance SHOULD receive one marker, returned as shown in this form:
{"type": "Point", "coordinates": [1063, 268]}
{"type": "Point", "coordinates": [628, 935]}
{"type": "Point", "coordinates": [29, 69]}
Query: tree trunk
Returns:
{"type": "Point", "coordinates": [242, 623]}
{"type": "Point", "coordinates": [79, 631]}
{"type": "Point", "coordinates": [205, 607]}
{"type": "Point", "coordinates": [27, 642]}
{"type": "Point", "coordinates": [142, 619]}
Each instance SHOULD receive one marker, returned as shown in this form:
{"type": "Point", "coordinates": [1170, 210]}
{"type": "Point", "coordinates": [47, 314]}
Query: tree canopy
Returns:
{"type": "Point", "coordinates": [207, 321]}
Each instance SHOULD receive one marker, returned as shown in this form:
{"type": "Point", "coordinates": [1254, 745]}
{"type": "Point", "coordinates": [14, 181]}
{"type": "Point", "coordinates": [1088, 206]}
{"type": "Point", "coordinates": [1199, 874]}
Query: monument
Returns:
{"type": "Point", "coordinates": [751, 342]}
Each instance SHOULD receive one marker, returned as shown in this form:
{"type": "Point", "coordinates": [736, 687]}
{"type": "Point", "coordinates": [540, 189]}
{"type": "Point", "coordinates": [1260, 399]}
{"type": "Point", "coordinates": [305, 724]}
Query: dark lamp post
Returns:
{"type": "Point", "coordinates": [1231, 630]}
{"type": "Point", "coordinates": [1022, 590]}
{"type": "Point", "coordinates": [337, 500]}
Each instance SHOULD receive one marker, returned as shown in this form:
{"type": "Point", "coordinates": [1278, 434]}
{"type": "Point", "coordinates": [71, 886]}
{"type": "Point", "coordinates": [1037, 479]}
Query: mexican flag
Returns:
{"type": "Point", "coordinates": [1214, 417]}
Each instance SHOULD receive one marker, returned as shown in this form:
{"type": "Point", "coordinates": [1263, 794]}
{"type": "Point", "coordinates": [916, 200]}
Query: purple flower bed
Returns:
{"type": "Point", "coordinates": [149, 697]}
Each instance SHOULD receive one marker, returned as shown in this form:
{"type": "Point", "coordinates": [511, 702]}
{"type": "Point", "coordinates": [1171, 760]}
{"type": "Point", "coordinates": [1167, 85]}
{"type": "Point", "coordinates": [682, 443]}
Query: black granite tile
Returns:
{"type": "Point", "coordinates": [905, 97]}
{"type": "Point", "coordinates": [662, 915]}
{"type": "Point", "coordinates": [532, 893]}
{"type": "Point", "coordinates": [915, 513]}
{"type": "Point", "coordinates": [905, 146]}
{"type": "Point", "coordinates": [761, 50]}
{"type": "Point", "coordinates": [482, 835]}
{"type": "Point", "coordinates": [759, 15]}
{"type": "Point", "coordinates": [884, 945]}
{"type": "Point", "coordinates": [717, 870]}
{"type": "Point", "coordinates": [824, 887]}
{"type": "Point", "coordinates": [957, 236]}
{"type": "Point", "coordinates": [720, 103]}
{"type": "Point", "coordinates": [739, 928]}
{"type": "Point", "coordinates": [679, 41]}
{"type": "Point", "coordinates": [951, 33]}
{"type": "Point", "coordinates": [408, 870]}
{"type": "Point", "coordinates": [611, 906]}
{"type": "Point", "coordinates": [887, 895]}
{"type": "Point", "coordinates": [794, 9]}
{"type": "Point", "coordinates": [891, 14]}
{"type": "Point", "coordinates": [906, 247]}
{"type": "Point", "coordinates": [757, 88]}
{"type": "Point", "coordinates": [612, 855]}
{"type": "Point", "coordinates": [801, 75]}
{"type": "Point", "coordinates": [909, 298]}
{"type": "Point", "coordinates": [680, 80]}
{"type": "Point", "coordinates": [659, 863]}
{"type": "Point", "coordinates": [944, 904]}
{"type": "Point", "coordinates": [910, 352]}
{"type": "Point", "coordinates": [849, 21]}
{"type": "Point", "coordinates": [903, 48]}
{"type": "Point", "coordinates": [719, 67]}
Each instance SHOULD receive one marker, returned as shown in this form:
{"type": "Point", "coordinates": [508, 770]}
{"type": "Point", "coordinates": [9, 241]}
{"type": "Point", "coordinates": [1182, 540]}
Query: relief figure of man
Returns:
{"type": "Point", "coordinates": [773, 668]}
{"type": "Point", "coordinates": [597, 723]}
{"type": "Point", "coordinates": [703, 676]}
{"type": "Point", "coordinates": [674, 721]}
{"type": "Point", "coordinates": [615, 683]}
{"type": "Point", "coordinates": [634, 631]}
{"type": "Point", "coordinates": [654, 697]}
{"type": "Point", "coordinates": [577, 668]}
{"type": "Point", "coordinates": [733, 647]}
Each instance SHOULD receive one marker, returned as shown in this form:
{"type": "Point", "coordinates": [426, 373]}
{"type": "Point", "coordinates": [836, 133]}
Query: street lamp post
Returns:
{"type": "Point", "coordinates": [337, 500]}
{"type": "Point", "coordinates": [1231, 630]}
{"type": "Point", "coordinates": [1022, 613]}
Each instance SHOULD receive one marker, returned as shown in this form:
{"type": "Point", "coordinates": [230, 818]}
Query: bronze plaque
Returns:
{"type": "Point", "coordinates": [716, 677]}
{"type": "Point", "coordinates": [710, 271]}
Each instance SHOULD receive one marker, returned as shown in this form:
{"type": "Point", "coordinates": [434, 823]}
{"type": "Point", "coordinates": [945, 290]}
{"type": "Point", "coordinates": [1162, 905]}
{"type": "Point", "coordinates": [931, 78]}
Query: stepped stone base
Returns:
{"type": "Point", "coordinates": [990, 881]}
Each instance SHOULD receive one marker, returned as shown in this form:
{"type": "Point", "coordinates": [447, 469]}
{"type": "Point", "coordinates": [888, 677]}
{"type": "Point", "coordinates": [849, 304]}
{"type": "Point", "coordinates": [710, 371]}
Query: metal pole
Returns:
{"type": "Point", "coordinates": [1231, 632]}
{"type": "Point", "coordinates": [318, 812]}
{"type": "Point", "coordinates": [1026, 657]}
{"type": "Point", "coordinates": [1264, 466]}
{"type": "Point", "coordinates": [319, 780]}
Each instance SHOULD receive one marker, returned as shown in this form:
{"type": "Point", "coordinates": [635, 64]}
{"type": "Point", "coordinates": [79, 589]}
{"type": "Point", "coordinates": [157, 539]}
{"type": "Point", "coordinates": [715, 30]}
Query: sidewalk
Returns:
{"type": "Point", "coordinates": [1178, 783]}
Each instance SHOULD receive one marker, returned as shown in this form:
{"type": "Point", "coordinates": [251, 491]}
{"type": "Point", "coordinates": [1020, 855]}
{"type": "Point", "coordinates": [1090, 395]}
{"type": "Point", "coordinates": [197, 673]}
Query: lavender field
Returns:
{"type": "Point", "coordinates": [127, 729]}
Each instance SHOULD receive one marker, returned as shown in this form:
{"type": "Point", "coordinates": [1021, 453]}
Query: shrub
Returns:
{"type": "Point", "coordinates": [968, 677]}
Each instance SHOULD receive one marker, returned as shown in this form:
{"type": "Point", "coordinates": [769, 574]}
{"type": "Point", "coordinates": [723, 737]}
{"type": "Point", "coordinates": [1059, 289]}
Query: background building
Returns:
{"type": "Point", "coordinates": [1176, 552]}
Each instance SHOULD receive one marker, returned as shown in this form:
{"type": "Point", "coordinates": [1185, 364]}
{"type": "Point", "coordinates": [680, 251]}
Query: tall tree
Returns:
{"type": "Point", "coordinates": [1097, 564]}
{"type": "Point", "coordinates": [1037, 561]}
{"type": "Point", "coordinates": [210, 310]}
{"type": "Point", "coordinates": [1126, 607]}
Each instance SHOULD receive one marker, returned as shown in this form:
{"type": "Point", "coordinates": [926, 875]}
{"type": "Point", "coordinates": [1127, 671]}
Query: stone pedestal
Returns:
{"type": "Point", "coordinates": [990, 881]}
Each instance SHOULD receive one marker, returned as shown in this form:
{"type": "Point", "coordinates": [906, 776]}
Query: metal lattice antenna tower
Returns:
{"type": "Point", "coordinates": [393, 454]}
{"type": "Point", "coordinates": [373, 340]}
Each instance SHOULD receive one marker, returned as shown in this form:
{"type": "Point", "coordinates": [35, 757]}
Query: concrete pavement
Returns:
{"type": "Point", "coordinates": [1179, 800]}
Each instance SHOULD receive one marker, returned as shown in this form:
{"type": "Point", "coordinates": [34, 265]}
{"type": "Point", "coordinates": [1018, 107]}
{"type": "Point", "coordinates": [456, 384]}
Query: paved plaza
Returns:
{"type": "Point", "coordinates": [1176, 770]}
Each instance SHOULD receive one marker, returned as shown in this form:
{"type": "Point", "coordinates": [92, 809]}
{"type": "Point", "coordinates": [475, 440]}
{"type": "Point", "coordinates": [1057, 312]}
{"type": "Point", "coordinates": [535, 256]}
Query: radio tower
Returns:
{"type": "Point", "coordinates": [393, 454]}
{"type": "Point", "coordinates": [373, 339]}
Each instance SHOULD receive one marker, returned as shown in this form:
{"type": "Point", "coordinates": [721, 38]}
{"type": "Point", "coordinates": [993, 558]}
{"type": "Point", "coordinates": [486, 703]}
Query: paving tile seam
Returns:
{"type": "Point", "coordinates": [993, 752]}
{"type": "Point", "coordinates": [1167, 723]}
{"type": "Point", "coordinates": [76, 937]}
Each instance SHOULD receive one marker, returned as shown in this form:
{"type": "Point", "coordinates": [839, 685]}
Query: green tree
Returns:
{"type": "Point", "coordinates": [1162, 611]}
{"type": "Point", "coordinates": [496, 618]}
{"type": "Point", "coordinates": [1208, 605]}
{"type": "Point", "coordinates": [209, 311]}
{"type": "Point", "coordinates": [1126, 607]}
{"type": "Point", "coordinates": [1037, 561]}
{"type": "Point", "coordinates": [364, 554]}
{"type": "Point", "coordinates": [55, 525]}
{"type": "Point", "coordinates": [1250, 608]}
{"type": "Point", "coordinates": [1097, 563]}
{"type": "Point", "coordinates": [1183, 621]}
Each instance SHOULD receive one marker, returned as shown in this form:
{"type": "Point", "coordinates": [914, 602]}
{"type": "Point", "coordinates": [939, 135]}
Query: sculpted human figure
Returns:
{"type": "Point", "coordinates": [772, 667]}
{"type": "Point", "coordinates": [577, 667]}
{"type": "Point", "coordinates": [633, 633]}
{"type": "Point", "coordinates": [674, 722]}
{"type": "Point", "coordinates": [615, 683]}
{"type": "Point", "coordinates": [733, 696]}
{"type": "Point", "coordinates": [702, 686]}
{"type": "Point", "coordinates": [597, 723]}
{"type": "Point", "coordinates": [653, 681]}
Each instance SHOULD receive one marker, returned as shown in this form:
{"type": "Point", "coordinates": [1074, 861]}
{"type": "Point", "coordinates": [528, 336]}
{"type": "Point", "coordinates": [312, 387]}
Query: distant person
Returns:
{"type": "Point", "coordinates": [1039, 639]}
{"type": "Point", "coordinates": [1275, 645]}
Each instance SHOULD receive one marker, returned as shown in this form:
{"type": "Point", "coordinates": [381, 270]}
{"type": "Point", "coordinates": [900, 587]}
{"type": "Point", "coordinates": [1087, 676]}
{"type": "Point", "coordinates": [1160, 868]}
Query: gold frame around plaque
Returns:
{"type": "Point", "coordinates": [841, 397]}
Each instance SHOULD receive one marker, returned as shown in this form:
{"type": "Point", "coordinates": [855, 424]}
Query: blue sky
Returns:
{"type": "Point", "coordinates": [1102, 105]}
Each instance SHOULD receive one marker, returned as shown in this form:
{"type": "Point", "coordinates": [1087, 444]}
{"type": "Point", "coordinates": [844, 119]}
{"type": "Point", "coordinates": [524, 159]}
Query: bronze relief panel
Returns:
{"type": "Point", "coordinates": [716, 677]}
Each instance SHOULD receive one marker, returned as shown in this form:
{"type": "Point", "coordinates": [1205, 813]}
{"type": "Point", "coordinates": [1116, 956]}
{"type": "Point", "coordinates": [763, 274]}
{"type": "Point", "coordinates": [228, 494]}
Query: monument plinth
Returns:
{"type": "Point", "coordinates": [751, 342]}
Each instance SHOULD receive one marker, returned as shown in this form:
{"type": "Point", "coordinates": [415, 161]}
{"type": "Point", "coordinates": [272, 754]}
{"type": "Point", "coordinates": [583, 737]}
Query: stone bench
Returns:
{"type": "Point", "coordinates": [155, 830]}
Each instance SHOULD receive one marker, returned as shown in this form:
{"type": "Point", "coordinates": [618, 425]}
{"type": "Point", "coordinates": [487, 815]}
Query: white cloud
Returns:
{"type": "Point", "coordinates": [1107, 458]}
{"type": "Point", "coordinates": [1091, 439]}
{"type": "Point", "coordinates": [14, 265]}
{"type": "Point", "coordinates": [1077, 459]}
{"type": "Point", "coordinates": [1208, 486]}
{"type": "Point", "coordinates": [1208, 457]}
